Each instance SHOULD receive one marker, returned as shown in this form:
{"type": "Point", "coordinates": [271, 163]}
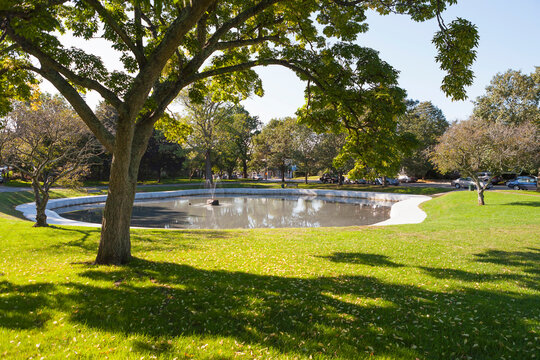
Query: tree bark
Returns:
{"type": "Point", "coordinates": [307, 174]}
{"type": "Point", "coordinates": [480, 192]}
{"type": "Point", "coordinates": [115, 243]}
{"type": "Point", "coordinates": [244, 167]}
{"type": "Point", "coordinates": [41, 205]}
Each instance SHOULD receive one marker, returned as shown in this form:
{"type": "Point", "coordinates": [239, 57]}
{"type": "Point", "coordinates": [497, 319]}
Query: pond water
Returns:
{"type": "Point", "coordinates": [247, 212]}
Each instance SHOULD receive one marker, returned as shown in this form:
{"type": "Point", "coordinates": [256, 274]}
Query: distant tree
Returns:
{"type": "Point", "coordinates": [475, 145]}
{"type": "Point", "coordinates": [307, 147]}
{"type": "Point", "coordinates": [226, 156]}
{"type": "Point", "coordinates": [274, 146]}
{"type": "Point", "coordinates": [47, 142]}
{"type": "Point", "coordinates": [511, 98]}
{"type": "Point", "coordinates": [204, 116]}
{"type": "Point", "coordinates": [3, 136]}
{"type": "Point", "coordinates": [329, 148]}
{"type": "Point", "coordinates": [238, 132]}
{"type": "Point", "coordinates": [427, 123]}
{"type": "Point", "coordinates": [161, 156]}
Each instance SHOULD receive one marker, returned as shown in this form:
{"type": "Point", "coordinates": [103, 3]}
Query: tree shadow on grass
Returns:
{"type": "Point", "coordinates": [525, 203]}
{"type": "Point", "coordinates": [531, 280]}
{"type": "Point", "coordinates": [526, 259]}
{"type": "Point", "coordinates": [85, 242]}
{"type": "Point", "coordinates": [24, 306]}
{"type": "Point", "coordinates": [142, 240]}
{"type": "Point", "coordinates": [346, 317]}
{"type": "Point", "coordinates": [362, 259]}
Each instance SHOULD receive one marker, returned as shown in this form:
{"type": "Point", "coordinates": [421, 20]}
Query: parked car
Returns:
{"type": "Point", "coordinates": [484, 176]}
{"type": "Point", "coordinates": [256, 177]}
{"type": "Point", "coordinates": [389, 181]}
{"type": "Point", "coordinates": [329, 179]}
{"type": "Point", "coordinates": [465, 182]}
{"type": "Point", "coordinates": [522, 183]}
{"type": "Point", "coordinates": [407, 179]}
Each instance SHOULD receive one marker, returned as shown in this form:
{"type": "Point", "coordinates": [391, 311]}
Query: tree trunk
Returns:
{"type": "Point", "coordinates": [41, 205]}
{"type": "Point", "coordinates": [115, 244]}
{"type": "Point", "coordinates": [244, 168]}
{"type": "Point", "coordinates": [307, 174]}
{"type": "Point", "coordinates": [208, 166]}
{"type": "Point", "coordinates": [538, 181]}
{"type": "Point", "coordinates": [480, 192]}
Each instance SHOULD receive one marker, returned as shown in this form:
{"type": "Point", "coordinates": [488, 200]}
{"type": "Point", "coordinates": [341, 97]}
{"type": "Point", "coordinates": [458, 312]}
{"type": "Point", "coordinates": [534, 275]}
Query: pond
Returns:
{"type": "Point", "coordinates": [247, 211]}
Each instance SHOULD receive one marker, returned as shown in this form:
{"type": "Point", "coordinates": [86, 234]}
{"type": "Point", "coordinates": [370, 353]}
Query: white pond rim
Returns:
{"type": "Point", "coordinates": [404, 211]}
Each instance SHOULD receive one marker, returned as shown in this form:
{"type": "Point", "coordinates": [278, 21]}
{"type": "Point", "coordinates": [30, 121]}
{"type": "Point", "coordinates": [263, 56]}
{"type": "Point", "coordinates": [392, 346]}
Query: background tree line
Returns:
{"type": "Point", "coordinates": [222, 138]}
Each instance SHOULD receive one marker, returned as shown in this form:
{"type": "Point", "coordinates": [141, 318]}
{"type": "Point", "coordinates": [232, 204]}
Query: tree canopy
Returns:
{"type": "Point", "coordinates": [427, 123]}
{"type": "Point", "coordinates": [511, 98]}
{"type": "Point", "coordinates": [274, 146]}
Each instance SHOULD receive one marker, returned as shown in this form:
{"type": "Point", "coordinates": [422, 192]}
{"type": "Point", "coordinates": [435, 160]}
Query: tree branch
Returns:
{"type": "Point", "coordinates": [193, 65]}
{"type": "Point", "coordinates": [148, 75]}
{"type": "Point", "coordinates": [49, 62]}
{"type": "Point", "coordinates": [223, 45]}
{"type": "Point", "coordinates": [80, 106]}
{"type": "Point", "coordinates": [109, 20]}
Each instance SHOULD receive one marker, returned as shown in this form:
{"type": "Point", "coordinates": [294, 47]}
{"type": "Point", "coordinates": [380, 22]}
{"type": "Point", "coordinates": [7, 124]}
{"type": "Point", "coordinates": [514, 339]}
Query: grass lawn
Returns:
{"type": "Point", "coordinates": [465, 284]}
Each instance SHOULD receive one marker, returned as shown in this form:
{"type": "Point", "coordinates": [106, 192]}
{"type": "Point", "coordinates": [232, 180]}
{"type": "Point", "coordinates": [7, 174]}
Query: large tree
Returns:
{"type": "Point", "coordinates": [47, 141]}
{"type": "Point", "coordinates": [511, 98]}
{"type": "Point", "coordinates": [167, 45]}
{"type": "Point", "coordinates": [475, 146]}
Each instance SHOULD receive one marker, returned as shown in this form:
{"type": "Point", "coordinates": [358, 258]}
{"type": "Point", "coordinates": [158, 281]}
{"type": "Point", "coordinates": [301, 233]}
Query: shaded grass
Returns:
{"type": "Point", "coordinates": [463, 284]}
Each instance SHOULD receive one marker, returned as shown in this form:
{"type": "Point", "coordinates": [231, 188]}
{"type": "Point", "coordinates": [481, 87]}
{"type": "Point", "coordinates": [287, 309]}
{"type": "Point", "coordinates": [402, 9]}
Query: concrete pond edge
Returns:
{"type": "Point", "coordinates": [405, 210]}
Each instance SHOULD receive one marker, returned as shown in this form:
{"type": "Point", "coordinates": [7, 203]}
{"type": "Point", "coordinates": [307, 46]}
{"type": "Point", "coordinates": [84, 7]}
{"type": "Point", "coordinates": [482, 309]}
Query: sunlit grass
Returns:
{"type": "Point", "coordinates": [463, 284]}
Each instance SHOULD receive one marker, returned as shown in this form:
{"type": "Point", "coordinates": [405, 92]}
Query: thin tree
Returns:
{"type": "Point", "coordinates": [475, 145]}
{"type": "Point", "coordinates": [47, 142]}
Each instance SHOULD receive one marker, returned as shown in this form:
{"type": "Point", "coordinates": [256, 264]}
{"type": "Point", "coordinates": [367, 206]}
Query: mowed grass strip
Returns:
{"type": "Point", "coordinates": [463, 284]}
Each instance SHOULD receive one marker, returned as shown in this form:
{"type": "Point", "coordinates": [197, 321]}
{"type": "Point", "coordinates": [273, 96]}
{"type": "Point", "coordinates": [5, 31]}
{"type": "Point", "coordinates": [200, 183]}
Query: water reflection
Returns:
{"type": "Point", "coordinates": [245, 212]}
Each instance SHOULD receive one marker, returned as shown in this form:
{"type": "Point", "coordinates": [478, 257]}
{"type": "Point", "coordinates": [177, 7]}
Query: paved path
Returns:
{"type": "Point", "coordinates": [4, 188]}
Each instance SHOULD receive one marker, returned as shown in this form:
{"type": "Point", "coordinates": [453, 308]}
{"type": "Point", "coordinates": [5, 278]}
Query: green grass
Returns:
{"type": "Point", "coordinates": [463, 284]}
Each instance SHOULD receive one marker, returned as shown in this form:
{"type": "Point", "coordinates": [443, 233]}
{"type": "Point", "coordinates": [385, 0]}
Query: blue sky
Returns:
{"type": "Point", "coordinates": [509, 39]}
